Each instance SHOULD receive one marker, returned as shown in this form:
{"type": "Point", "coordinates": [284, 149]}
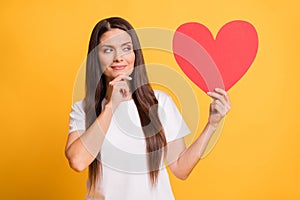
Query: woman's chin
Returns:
{"type": "Point", "coordinates": [124, 72]}
{"type": "Point", "coordinates": [115, 74]}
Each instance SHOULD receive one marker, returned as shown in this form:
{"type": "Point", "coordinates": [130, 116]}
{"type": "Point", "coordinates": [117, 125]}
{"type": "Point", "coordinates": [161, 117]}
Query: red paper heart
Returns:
{"type": "Point", "coordinates": [213, 63]}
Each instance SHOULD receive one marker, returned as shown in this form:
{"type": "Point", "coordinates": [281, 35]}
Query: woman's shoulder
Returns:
{"type": "Point", "coordinates": [161, 96]}
{"type": "Point", "coordinates": [78, 105]}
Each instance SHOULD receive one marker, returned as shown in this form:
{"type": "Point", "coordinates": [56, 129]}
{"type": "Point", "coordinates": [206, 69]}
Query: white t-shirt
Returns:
{"type": "Point", "coordinates": [124, 159]}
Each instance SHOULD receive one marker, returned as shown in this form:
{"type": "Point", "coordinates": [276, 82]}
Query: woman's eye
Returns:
{"type": "Point", "coordinates": [108, 50]}
{"type": "Point", "coordinates": [127, 48]}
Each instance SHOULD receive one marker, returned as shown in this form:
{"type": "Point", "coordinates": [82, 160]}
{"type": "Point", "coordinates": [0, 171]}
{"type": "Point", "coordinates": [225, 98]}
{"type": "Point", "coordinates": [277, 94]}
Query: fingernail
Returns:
{"type": "Point", "coordinates": [209, 93]}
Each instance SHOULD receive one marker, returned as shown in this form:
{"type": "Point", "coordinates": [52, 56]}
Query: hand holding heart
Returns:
{"type": "Point", "coordinates": [215, 62]}
{"type": "Point", "coordinates": [219, 107]}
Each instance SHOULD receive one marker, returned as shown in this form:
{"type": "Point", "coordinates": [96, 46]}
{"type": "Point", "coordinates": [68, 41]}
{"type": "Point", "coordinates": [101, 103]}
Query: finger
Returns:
{"type": "Point", "coordinates": [223, 92]}
{"type": "Point", "coordinates": [123, 92]}
{"type": "Point", "coordinates": [225, 109]}
{"type": "Point", "coordinates": [221, 97]}
{"type": "Point", "coordinates": [217, 96]}
{"type": "Point", "coordinates": [120, 84]}
{"type": "Point", "coordinates": [122, 87]}
{"type": "Point", "coordinates": [220, 109]}
{"type": "Point", "coordinates": [213, 106]}
{"type": "Point", "coordinates": [225, 106]}
{"type": "Point", "coordinates": [120, 77]}
{"type": "Point", "coordinates": [113, 82]}
{"type": "Point", "coordinates": [225, 95]}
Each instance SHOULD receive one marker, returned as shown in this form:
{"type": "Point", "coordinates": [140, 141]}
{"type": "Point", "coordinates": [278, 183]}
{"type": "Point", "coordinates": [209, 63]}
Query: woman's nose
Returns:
{"type": "Point", "coordinates": [118, 56]}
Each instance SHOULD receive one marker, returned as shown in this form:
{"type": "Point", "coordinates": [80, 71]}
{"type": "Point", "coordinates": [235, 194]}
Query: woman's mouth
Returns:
{"type": "Point", "coordinates": [118, 67]}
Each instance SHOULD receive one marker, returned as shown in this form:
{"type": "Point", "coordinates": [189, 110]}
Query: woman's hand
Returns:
{"type": "Point", "coordinates": [118, 90]}
{"type": "Point", "coordinates": [219, 107]}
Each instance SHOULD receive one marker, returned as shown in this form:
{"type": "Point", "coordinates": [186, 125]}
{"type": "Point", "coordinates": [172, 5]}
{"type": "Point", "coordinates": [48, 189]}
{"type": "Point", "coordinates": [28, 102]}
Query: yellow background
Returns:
{"type": "Point", "coordinates": [43, 44]}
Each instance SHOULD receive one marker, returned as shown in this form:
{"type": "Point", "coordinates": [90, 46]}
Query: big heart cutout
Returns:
{"type": "Point", "coordinates": [219, 62]}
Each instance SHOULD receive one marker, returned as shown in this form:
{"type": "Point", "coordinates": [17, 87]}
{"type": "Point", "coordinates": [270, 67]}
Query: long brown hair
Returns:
{"type": "Point", "coordinates": [142, 95]}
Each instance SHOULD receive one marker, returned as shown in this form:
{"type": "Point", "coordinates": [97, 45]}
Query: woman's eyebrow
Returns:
{"type": "Point", "coordinates": [107, 45]}
{"type": "Point", "coordinates": [126, 43]}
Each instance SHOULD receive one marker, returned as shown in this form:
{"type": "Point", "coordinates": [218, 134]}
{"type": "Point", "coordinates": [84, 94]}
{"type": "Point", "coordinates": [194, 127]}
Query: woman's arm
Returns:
{"type": "Point", "coordinates": [182, 160]}
{"type": "Point", "coordinates": [83, 146]}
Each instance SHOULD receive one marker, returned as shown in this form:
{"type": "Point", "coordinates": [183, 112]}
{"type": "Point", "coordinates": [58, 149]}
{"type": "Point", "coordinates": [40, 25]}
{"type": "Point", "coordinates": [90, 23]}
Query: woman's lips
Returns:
{"type": "Point", "coordinates": [118, 67]}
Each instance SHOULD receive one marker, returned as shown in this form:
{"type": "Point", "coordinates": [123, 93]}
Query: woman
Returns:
{"type": "Point", "coordinates": [123, 130]}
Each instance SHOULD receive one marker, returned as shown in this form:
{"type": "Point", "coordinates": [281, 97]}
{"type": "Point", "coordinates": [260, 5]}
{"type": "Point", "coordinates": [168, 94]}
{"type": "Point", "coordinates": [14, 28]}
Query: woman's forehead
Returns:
{"type": "Point", "coordinates": [115, 36]}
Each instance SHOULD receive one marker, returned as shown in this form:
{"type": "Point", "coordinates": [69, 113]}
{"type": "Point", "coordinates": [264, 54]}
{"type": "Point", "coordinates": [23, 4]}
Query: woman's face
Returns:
{"type": "Point", "coordinates": [115, 53]}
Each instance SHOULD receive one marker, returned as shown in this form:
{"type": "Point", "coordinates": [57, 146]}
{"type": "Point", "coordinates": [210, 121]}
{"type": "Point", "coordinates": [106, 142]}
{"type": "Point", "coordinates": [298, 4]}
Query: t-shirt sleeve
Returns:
{"type": "Point", "coordinates": [77, 117]}
{"type": "Point", "coordinates": [174, 125]}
